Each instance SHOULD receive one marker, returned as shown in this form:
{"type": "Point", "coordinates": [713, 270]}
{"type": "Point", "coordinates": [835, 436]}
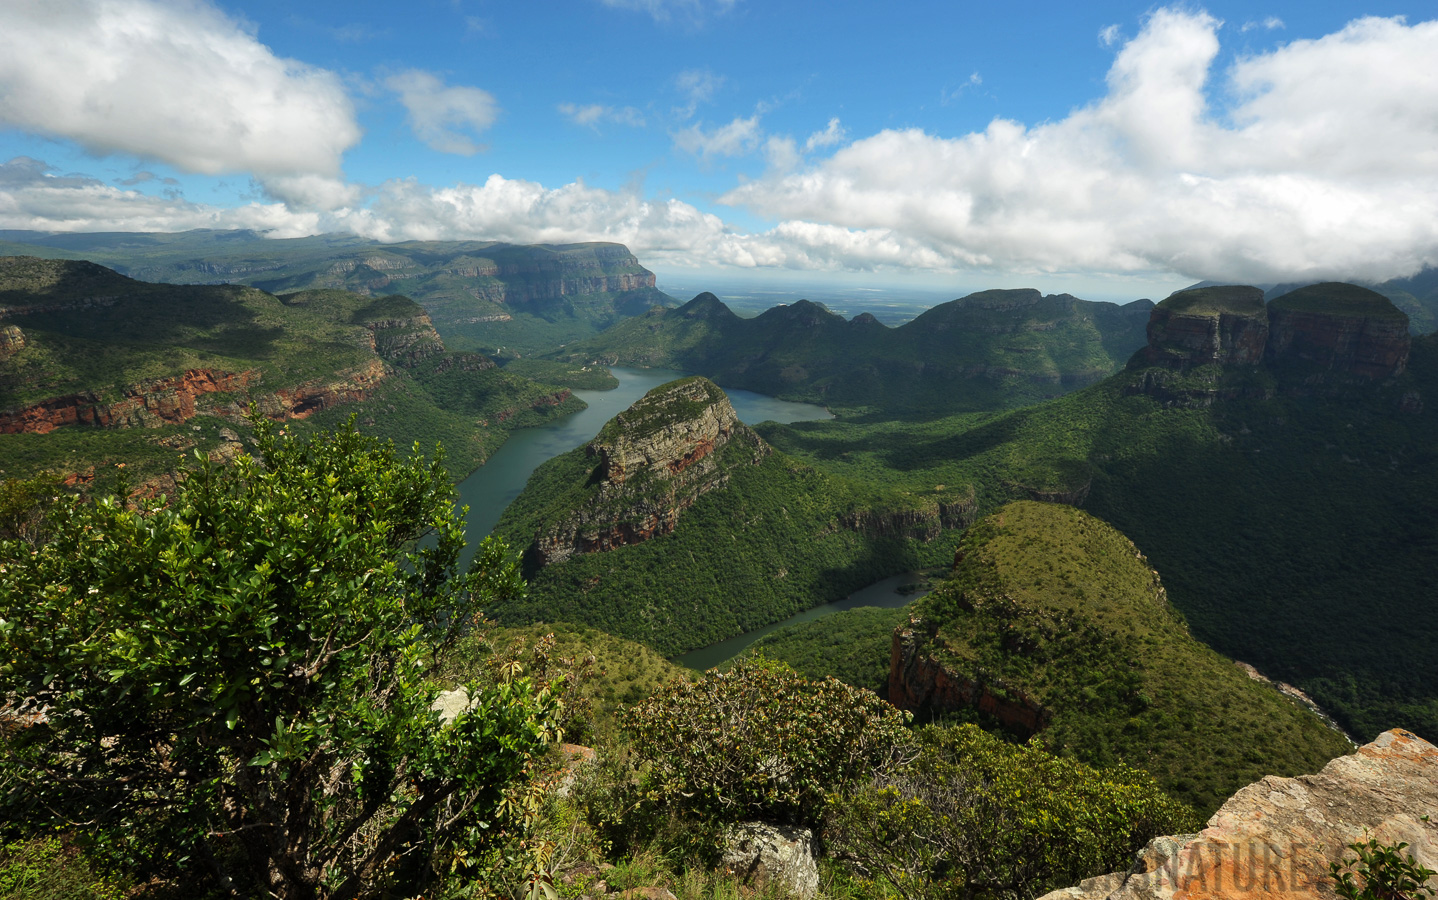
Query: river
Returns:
{"type": "Point", "coordinates": [496, 483]}
{"type": "Point", "coordinates": [881, 593]}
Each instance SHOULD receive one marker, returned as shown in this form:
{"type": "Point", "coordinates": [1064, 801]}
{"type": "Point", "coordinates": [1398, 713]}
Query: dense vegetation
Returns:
{"type": "Point", "coordinates": [240, 699]}
{"type": "Point", "coordinates": [1290, 517]}
{"type": "Point", "coordinates": [990, 350]}
{"type": "Point", "coordinates": [767, 545]}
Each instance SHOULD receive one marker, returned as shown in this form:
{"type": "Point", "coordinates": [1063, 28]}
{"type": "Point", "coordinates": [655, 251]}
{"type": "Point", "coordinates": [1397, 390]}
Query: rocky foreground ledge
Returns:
{"type": "Point", "coordinates": [1276, 837]}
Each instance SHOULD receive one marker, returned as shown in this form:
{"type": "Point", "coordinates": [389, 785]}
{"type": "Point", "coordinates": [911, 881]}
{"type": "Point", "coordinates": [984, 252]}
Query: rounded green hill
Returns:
{"type": "Point", "coordinates": [1051, 604]}
{"type": "Point", "coordinates": [1338, 299]}
{"type": "Point", "coordinates": [1230, 299]}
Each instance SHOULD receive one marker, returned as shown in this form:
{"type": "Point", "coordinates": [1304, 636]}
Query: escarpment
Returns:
{"type": "Point", "coordinates": [1338, 328]}
{"type": "Point", "coordinates": [651, 463]}
{"type": "Point", "coordinates": [1278, 836]}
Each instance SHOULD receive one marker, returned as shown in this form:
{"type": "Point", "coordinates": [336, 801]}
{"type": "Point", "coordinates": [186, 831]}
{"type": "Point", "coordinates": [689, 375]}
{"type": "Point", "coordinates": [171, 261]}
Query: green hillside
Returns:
{"type": "Point", "coordinates": [773, 538]}
{"type": "Point", "coordinates": [1054, 603]}
{"type": "Point", "coordinates": [483, 295]}
{"type": "Point", "coordinates": [1294, 530]}
{"type": "Point", "coordinates": [95, 335]}
{"type": "Point", "coordinates": [991, 350]}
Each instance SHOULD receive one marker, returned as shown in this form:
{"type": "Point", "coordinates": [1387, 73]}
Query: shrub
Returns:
{"type": "Point", "coordinates": [761, 742]}
{"type": "Point", "coordinates": [237, 684]}
{"type": "Point", "coordinates": [1386, 873]}
{"type": "Point", "coordinates": [973, 815]}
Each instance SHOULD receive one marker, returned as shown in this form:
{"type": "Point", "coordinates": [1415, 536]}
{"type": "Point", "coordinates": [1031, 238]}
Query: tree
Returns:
{"type": "Point", "coordinates": [236, 683]}
{"type": "Point", "coordinates": [974, 816]}
{"type": "Point", "coordinates": [762, 742]}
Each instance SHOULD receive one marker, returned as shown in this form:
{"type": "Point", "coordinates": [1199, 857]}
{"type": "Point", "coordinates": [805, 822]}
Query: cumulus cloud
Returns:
{"type": "Point", "coordinates": [174, 81]}
{"type": "Point", "coordinates": [33, 197]}
{"type": "Point", "coordinates": [1269, 24]}
{"type": "Point", "coordinates": [833, 134]}
{"type": "Point", "coordinates": [1318, 159]}
{"type": "Point", "coordinates": [441, 115]}
{"type": "Point", "coordinates": [593, 115]}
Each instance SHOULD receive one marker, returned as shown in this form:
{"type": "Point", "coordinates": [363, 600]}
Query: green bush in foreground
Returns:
{"type": "Point", "coordinates": [1381, 872]}
{"type": "Point", "coordinates": [761, 742]}
{"type": "Point", "coordinates": [974, 816]}
{"type": "Point", "coordinates": [235, 687]}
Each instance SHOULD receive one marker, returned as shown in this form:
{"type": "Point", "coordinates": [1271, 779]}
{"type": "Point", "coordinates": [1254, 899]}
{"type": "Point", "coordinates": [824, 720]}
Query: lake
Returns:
{"type": "Point", "coordinates": [494, 485]}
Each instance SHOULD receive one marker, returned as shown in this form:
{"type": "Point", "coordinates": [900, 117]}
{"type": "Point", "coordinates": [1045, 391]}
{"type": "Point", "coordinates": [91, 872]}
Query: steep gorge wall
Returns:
{"type": "Point", "coordinates": [920, 683]}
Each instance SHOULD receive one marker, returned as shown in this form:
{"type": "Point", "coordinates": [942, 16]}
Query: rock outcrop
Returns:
{"type": "Point", "coordinates": [653, 461]}
{"type": "Point", "coordinates": [1277, 837]}
{"type": "Point", "coordinates": [1227, 325]}
{"type": "Point", "coordinates": [1340, 328]}
{"type": "Point", "coordinates": [405, 342]}
{"type": "Point", "coordinates": [920, 683]}
{"type": "Point", "coordinates": [1332, 327]}
{"type": "Point", "coordinates": [165, 401]}
{"type": "Point", "coordinates": [12, 341]}
{"type": "Point", "coordinates": [769, 856]}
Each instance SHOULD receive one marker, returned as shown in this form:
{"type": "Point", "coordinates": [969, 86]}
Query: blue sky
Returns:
{"type": "Point", "coordinates": [1109, 149]}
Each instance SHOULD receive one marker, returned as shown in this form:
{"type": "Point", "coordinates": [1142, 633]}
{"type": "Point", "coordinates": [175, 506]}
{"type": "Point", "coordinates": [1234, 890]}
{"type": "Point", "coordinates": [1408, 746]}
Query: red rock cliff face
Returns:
{"type": "Point", "coordinates": [1368, 339]}
{"type": "Point", "coordinates": [920, 683]}
{"type": "Point", "coordinates": [156, 403]}
{"type": "Point", "coordinates": [12, 341]}
{"type": "Point", "coordinates": [171, 401]}
{"type": "Point", "coordinates": [1231, 328]}
{"type": "Point", "coordinates": [654, 461]}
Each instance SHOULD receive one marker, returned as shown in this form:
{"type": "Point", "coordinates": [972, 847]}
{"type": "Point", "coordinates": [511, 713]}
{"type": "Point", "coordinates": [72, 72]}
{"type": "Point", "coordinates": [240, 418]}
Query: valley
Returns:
{"type": "Point", "coordinates": [1080, 514]}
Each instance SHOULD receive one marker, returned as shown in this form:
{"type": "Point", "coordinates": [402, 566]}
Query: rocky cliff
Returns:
{"type": "Point", "coordinates": [1333, 327]}
{"type": "Point", "coordinates": [651, 462]}
{"type": "Point", "coordinates": [1277, 837]}
{"type": "Point", "coordinates": [155, 403]}
{"type": "Point", "coordinates": [1227, 325]}
{"type": "Point", "coordinates": [1339, 328]}
{"type": "Point", "coordinates": [405, 341]}
{"type": "Point", "coordinates": [919, 682]}
{"type": "Point", "coordinates": [12, 341]}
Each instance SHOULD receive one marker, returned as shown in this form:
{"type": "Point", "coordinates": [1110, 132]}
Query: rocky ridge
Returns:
{"type": "Point", "coordinates": [1277, 837]}
{"type": "Point", "coordinates": [652, 462]}
{"type": "Point", "coordinates": [1332, 327]}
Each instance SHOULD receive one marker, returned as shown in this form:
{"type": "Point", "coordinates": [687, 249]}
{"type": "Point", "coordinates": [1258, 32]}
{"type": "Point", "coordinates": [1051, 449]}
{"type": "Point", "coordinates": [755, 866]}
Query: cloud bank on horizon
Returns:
{"type": "Point", "coordinates": [1316, 159]}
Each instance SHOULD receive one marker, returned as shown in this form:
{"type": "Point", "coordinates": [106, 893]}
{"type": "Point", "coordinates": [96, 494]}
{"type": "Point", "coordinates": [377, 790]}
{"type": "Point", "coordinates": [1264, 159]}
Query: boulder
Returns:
{"type": "Point", "coordinates": [764, 855]}
{"type": "Point", "coordinates": [1277, 837]}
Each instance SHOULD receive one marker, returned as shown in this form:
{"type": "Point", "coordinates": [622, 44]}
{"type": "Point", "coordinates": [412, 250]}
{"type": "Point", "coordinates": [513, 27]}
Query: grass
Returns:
{"type": "Point", "coordinates": [1228, 299]}
{"type": "Point", "coordinates": [1336, 298]}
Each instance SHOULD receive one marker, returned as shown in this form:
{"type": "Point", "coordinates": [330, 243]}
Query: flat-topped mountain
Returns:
{"type": "Point", "coordinates": [1331, 327]}
{"type": "Point", "coordinates": [482, 295]}
{"type": "Point", "coordinates": [163, 368]}
{"type": "Point", "coordinates": [989, 350]}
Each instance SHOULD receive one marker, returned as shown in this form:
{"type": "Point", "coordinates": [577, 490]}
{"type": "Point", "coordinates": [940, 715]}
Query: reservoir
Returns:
{"type": "Point", "coordinates": [496, 483]}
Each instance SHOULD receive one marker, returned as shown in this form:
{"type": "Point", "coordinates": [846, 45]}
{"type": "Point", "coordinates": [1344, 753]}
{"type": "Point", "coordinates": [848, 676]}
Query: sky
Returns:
{"type": "Point", "coordinates": [1110, 149]}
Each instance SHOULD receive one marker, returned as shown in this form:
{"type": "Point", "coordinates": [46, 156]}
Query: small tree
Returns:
{"type": "Point", "coordinates": [762, 742]}
{"type": "Point", "coordinates": [236, 683]}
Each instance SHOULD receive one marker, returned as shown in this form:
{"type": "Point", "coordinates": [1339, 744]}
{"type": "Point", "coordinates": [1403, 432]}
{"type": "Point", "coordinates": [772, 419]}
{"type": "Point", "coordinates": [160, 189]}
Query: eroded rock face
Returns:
{"type": "Point", "coordinates": [1276, 837]}
{"type": "Point", "coordinates": [1227, 325]}
{"type": "Point", "coordinates": [654, 460]}
{"type": "Point", "coordinates": [772, 855]}
{"type": "Point", "coordinates": [153, 404]}
{"type": "Point", "coordinates": [920, 683]}
{"type": "Point", "coordinates": [1342, 328]}
{"type": "Point", "coordinates": [405, 341]}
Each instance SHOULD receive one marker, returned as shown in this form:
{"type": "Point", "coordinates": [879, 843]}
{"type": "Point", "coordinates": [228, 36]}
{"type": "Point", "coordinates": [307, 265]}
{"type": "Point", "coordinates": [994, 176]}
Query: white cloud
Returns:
{"type": "Point", "coordinates": [594, 114]}
{"type": "Point", "coordinates": [1110, 35]}
{"type": "Point", "coordinates": [1324, 165]}
{"type": "Point", "coordinates": [439, 115]}
{"type": "Point", "coordinates": [739, 137]}
{"type": "Point", "coordinates": [1271, 23]}
{"type": "Point", "coordinates": [173, 81]}
{"type": "Point", "coordinates": [691, 11]}
{"type": "Point", "coordinates": [833, 134]}
{"type": "Point", "coordinates": [698, 87]}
